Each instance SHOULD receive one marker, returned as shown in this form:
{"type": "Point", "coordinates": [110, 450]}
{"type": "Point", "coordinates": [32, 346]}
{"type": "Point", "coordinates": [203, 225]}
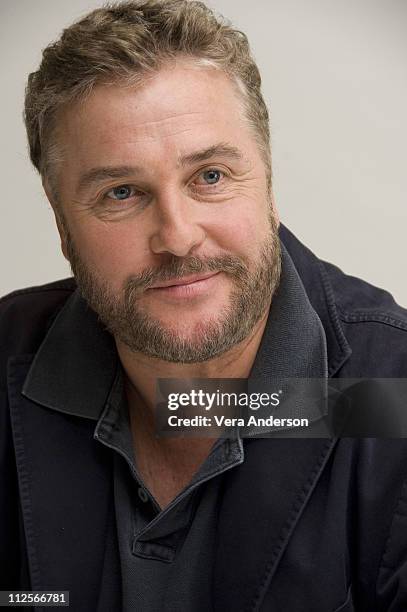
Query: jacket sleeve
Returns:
{"type": "Point", "coordinates": [392, 576]}
{"type": "Point", "coordinates": [13, 564]}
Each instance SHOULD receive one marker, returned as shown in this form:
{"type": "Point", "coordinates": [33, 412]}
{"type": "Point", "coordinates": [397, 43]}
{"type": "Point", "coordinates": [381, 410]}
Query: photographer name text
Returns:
{"type": "Point", "coordinates": [222, 421]}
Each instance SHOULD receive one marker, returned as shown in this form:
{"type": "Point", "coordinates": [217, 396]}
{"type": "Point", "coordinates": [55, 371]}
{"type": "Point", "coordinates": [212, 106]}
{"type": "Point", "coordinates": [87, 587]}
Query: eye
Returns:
{"type": "Point", "coordinates": [210, 176]}
{"type": "Point", "coordinates": [122, 192]}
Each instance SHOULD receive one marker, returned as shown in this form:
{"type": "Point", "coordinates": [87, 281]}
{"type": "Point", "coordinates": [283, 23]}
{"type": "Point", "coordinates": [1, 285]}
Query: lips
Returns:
{"type": "Point", "coordinates": [186, 280]}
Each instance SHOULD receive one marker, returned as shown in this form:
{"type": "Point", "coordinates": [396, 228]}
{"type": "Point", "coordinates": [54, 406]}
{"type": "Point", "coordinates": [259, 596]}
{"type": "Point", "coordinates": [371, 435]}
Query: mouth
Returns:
{"type": "Point", "coordinates": [188, 286]}
{"type": "Point", "coordinates": [186, 280]}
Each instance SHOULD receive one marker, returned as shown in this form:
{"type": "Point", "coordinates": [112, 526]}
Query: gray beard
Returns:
{"type": "Point", "coordinates": [140, 332]}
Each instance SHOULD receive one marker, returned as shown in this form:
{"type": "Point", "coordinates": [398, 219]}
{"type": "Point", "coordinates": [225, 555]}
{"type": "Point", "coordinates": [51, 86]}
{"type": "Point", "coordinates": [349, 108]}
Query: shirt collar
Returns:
{"type": "Point", "coordinates": [76, 365]}
{"type": "Point", "coordinates": [293, 342]}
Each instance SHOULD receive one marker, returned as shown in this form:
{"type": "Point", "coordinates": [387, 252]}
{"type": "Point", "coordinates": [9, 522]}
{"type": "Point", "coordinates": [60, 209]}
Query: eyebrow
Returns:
{"type": "Point", "coordinates": [103, 173]}
{"type": "Point", "coordinates": [223, 149]}
{"type": "Point", "coordinates": [97, 175]}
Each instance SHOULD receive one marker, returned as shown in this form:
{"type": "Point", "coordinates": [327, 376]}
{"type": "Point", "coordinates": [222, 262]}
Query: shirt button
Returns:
{"type": "Point", "coordinates": [142, 495]}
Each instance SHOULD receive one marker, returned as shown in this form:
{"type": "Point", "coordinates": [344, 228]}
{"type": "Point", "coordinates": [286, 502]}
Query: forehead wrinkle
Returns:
{"type": "Point", "coordinates": [146, 129]}
{"type": "Point", "coordinates": [164, 120]}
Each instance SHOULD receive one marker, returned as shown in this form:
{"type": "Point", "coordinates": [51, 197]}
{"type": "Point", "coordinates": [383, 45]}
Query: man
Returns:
{"type": "Point", "coordinates": [147, 125]}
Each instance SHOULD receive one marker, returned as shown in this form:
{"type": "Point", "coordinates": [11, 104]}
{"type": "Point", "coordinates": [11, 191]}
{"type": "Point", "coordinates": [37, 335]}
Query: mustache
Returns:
{"type": "Point", "coordinates": [177, 268]}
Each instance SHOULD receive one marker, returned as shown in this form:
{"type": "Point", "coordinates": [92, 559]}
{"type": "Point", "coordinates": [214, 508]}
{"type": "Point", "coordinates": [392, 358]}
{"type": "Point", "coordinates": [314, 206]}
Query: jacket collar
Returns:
{"type": "Point", "coordinates": [293, 343]}
{"type": "Point", "coordinates": [75, 347]}
{"type": "Point", "coordinates": [319, 290]}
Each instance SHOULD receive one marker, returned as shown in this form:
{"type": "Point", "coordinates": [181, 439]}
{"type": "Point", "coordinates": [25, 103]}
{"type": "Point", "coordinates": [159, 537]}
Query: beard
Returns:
{"type": "Point", "coordinates": [130, 323]}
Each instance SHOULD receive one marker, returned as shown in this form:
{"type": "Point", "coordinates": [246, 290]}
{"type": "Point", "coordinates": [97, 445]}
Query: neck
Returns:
{"type": "Point", "coordinates": [166, 465]}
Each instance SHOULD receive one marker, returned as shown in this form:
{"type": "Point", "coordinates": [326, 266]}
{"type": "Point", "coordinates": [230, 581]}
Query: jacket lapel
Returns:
{"type": "Point", "coordinates": [265, 497]}
{"type": "Point", "coordinates": [66, 497]}
{"type": "Point", "coordinates": [258, 515]}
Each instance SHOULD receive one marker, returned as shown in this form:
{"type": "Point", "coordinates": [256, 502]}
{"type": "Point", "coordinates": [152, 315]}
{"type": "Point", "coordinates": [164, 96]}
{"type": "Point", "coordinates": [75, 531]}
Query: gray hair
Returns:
{"type": "Point", "coordinates": [124, 43]}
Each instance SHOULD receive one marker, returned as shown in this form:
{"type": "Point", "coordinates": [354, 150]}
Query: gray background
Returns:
{"type": "Point", "coordinates": [335, 79]}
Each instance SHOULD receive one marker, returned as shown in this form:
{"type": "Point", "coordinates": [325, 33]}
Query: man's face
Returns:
{"type": "Point", "coordinates": [167, 215]}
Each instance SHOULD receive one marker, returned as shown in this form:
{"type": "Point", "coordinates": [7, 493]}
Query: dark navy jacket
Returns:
{"type": "Point", "coordinates": [307, 525]}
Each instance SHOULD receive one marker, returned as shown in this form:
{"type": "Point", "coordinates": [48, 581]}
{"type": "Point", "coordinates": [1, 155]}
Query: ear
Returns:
{"type": "Point", "coordinates": [58, 218]}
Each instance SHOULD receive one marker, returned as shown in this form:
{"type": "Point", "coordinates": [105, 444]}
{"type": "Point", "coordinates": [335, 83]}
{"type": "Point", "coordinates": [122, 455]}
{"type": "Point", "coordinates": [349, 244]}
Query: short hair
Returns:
{"type": "Point", "coordinates": [124, 42]}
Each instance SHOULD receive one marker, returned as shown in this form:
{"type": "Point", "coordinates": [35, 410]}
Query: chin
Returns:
{"type": "Point", "coordinates": [191, 329]}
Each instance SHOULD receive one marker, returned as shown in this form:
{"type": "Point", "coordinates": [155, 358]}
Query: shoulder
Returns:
{"type": "Point", "coordinates": [27, 308]}
{"type": "Point", "coordinates": [26, 314]}
{"type": "Point", "coordinates": [358, 315]}
{"type": "Point", "coordinates": [358, 301]}
{"type": "Point", "coordinates": [374, 325]}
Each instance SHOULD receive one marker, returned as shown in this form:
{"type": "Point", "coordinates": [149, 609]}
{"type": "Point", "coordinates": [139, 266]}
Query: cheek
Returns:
{"type": "Point", "coordinates": [242, 233]}
{"type": "Point", "coordinates": [113, 250]}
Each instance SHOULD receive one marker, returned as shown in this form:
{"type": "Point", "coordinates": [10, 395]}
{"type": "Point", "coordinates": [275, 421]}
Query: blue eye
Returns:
{"type": "Point", "coordinates": [211, 176]}
{"type": "Point", "coordinates": [122, 192]}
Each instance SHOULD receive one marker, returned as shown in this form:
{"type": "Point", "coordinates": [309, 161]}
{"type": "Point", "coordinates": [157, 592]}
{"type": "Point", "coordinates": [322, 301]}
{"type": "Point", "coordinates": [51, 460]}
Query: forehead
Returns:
{"type": "Point", "coordinates": [178, 109]}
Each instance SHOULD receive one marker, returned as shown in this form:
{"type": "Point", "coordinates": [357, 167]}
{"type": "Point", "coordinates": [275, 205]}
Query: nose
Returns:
{"type": "Point", "coordinates": [177, 230]}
